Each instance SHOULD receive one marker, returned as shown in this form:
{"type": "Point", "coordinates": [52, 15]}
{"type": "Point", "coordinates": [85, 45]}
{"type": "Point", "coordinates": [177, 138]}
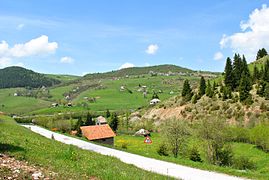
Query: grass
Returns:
{"type": "Point", "coordinates": [261, 159]}
{"type": "Point", "coordinates": [17, 104]}
{"type": "Point", "coordinates": [66, 160]}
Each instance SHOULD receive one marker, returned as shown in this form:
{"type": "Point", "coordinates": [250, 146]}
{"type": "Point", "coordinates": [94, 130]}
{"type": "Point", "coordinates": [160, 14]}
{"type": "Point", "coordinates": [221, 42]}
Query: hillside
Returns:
{"type": "Point", "coordinates": [135, 71]}
{"type": "Point", "coordinates": [11, 77]}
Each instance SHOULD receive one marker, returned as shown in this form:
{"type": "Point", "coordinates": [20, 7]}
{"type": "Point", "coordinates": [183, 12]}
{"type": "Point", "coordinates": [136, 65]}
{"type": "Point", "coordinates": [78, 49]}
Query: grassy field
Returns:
{"type": "Point", "coordinates": [19, 105]}
{"type": "Point", "coordinates": [68, 161]}
{"type": "Point", "coordinates": [136, 145]}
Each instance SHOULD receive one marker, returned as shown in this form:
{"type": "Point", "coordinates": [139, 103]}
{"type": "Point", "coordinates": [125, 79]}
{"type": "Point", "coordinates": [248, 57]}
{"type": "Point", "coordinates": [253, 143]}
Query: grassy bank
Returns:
{"type": "Point", "coordinates": [261, 159]}
{"type": "Point", "coordinates": [68, 161]}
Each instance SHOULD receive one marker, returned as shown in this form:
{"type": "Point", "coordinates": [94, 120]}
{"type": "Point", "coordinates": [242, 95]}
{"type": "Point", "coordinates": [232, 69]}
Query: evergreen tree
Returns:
{"type": "Point", "coordinates": [186, 91]}
{"type": "Point", "coordinates": [237, 70]}
{"type": "Point", "coordinates": [114, 122]}
{"type": "Point", "coordinates": [89, 120]}
{"type": "Point", "coordinates": [202, 86]}
{"type": "Point", "coordinates": [244, 88]}
{"type": "Point", "coordinates": [155, 96]}
{"type": "Point", "coordinates": [108, 113]}
{"type": "Point", "coordinates": [266, 91]}
{"type": "Point", "coordinates": [256, 74]}
{"type": "Point", "coordinates": [194, 98]}
{"type": "Point", "coordinates": [186, 88]}
{"type": "Point", "coordinates": [78, 125]}
{"type": "Point", "coordinates": [209, 90]}
{"type": "Point", "coordinates": [266, 71]}
{"type": "Point", "coordinates": [261, 53]}
{"type": "Point", "coordinates": [228, 74]}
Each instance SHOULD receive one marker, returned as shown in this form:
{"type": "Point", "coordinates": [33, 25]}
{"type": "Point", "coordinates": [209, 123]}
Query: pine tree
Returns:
{"type": "Point", "coordinates": [89, 120]}
{"type": "Point", "coordinates": [237, 70]}
{"type": "Point", "coordinates": [209, 90]}
{"type": "Point", "coordinates": [266, 91]}
{"type": "Point", "coordinates": [266, 71]}
{"type": "Point", "coordinates": [78, 125]}
{"type": "Point", "coordinates": [261, 53]}
{"type": "Point", "coordinates": [228, 74]}
{"type": "Point", "coordinates": [114, 122]}
{"type": "Point", "coordinates": [244, 88]}
{"type": "Point", "coordinates": [186, 88]}
{"type": "Point", "coordinates": [202, 86]}
{"type": "Point", "coordinates": [194, 98]}
{"type": "Point", "coordinates": [108, 113]}
{"type": "Point", "coordinates": [256, 74]}
{"type": "Point", "coordinates": [186, 91]}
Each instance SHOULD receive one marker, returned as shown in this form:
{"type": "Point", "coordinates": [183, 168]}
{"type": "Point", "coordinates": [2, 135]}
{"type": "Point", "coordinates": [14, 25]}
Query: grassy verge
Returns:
{"type": "Point", "coordinates": [68, 161]}
{"type": "Point", "coordinates": [261, 159]}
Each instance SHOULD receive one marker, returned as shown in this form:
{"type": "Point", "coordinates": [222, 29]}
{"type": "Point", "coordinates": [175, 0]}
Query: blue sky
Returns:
{"type": "Point", "coordinates": [78, 37]}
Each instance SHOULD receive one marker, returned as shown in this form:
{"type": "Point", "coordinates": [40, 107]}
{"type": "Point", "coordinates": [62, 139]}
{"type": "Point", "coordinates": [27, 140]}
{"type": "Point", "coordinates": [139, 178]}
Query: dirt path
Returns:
{"type": "Point", "coordinates": [149, 164]}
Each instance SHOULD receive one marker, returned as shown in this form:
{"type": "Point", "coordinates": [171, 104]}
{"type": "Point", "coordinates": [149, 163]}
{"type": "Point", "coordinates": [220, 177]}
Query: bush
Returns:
{"type": "Point", "coordinates": [243, 163]}
{"type": "Point", "coordinates": [162, 150]}
{"type": "Point", "coordinates": [224, 156]}
{"type": "Point", "coordinates": [195, 155]}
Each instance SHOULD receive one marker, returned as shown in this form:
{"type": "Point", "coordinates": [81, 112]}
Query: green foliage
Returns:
{"type": "Point", "coordinates": [209, 90]}
{"type": "Point", "coordinates": [194, 155]}
{"type": "Point", "coordinates": [194, 98]}
{"type": "Point", "coordinates": [243, 163]}
{"type": "Point", "coordinates": [155, 96]}
{"type": "Point", "coordinates": [175, 132]}
{"type": "Point", "coordinates": [202, 87]}
{"type": "Point", "coordinates": [228, 74]}
{"type": "Point", "coordinates": [108, 114]}
{"type": "Point", "coordinates": [244, 88]}
{"type": "Point", "coordinates": [163, 150]}
{"type": "Point", "coordinates": [261, 53]}
{"type": "Point", "coordinates": [186, 91]}
{"type": "Point", "coordinates": [78, 125]}
{"type": "Point", "coordinates": [259, 136]}
{"type": "Point", "coordinates": [89, 120]}
{"type": "Point", "coordinates": [21, 77]}
{"type": "Point", "coordinates": [114, 122]}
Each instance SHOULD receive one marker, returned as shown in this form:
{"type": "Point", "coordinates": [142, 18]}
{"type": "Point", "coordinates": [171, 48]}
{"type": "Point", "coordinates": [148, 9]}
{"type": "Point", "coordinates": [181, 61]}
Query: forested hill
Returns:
{"type": "Point", "coordinates": [11, 77]}
{"type": "Point", "coordinates": [140, 71]}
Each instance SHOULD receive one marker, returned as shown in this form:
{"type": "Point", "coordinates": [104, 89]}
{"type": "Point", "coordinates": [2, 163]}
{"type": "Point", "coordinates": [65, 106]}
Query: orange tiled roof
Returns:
{"type": "Point", "coordinates": [97, 132]}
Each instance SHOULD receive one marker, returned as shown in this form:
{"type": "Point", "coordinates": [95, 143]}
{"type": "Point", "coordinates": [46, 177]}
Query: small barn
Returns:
{"type": "Point", "coordinates": [154, 101]}
{"type": "Point", "coordinates": [100, 120]}
{"type": "Point", "coordinates": [99, 133]}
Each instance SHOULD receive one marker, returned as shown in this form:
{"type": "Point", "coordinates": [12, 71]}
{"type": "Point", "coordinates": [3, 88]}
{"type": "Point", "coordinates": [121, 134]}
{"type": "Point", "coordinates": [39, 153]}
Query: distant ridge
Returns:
{"type": "Point", "coordinates": [15, 76]}
{"type": "Point", "coordinates": [140, 71]}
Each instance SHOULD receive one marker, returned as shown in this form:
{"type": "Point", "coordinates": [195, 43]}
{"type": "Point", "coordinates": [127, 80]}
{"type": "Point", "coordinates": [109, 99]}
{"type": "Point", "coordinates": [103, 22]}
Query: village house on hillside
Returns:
{"type": "Point", "coordinates": [99, 133]}
{"type": "Point", "coordinates": [100, 120]}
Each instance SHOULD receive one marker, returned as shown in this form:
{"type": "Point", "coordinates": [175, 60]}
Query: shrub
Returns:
{"type": "Point", "coordinates": [195, 155]}
{"type": "Point", "coordinates": [243, 163]}
{"type": "Point", "coordinates": [224, 156]}
{"type": "Point", "coordinates": [162, 150]}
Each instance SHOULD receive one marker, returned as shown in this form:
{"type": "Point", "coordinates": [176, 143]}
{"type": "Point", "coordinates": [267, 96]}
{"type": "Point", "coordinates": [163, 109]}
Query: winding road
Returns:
{"type": "Point", "coordinates": [149, 164]}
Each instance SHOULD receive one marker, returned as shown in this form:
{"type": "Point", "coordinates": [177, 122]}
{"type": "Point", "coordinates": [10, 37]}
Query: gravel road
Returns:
{"type": "Point", "coordinates": [149, 164]}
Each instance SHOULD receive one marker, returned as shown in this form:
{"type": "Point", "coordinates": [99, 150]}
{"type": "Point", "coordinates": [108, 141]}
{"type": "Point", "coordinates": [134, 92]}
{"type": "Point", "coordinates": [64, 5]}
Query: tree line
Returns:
{"type": "Point", "coordinates": [237, 78]}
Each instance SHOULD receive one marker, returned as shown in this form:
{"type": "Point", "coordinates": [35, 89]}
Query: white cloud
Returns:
{"type": "Point", "coordinates": [34, 47]}
{"type": "Point", "coordinates": [253, 36]}
{"type": "Point", "coordinates": [126, 65]}
{"type": "Point", "coordinates": [37, 46]}
{"type": "Point", "coordinates": [67, 60]}
{"type": "Point", "coordinates": [147, 64]}
{"type": "Point", "coordinates": [152, 49]}
{"type": "Point", "coordinates": [20, 26]}
{"type": "Point", "coordinates": [218, 56]}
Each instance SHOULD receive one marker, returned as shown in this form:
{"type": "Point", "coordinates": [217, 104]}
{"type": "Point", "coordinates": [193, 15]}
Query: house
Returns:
{"type": "Point", "coordinates": [54, 104]}
{"type": "Point", "coordinates": [101, 120]}
{"type": "Point", "coordinates": [154, 101]}
{"type": "Point", "coordinates": [99, 133]}
{"type": "Point", "coordinates": [69, 104]}
{"type": "Point", "coordinates": [15, 94]}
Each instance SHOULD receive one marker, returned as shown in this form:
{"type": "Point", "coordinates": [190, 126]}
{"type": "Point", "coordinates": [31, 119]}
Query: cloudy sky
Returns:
{"type": "Point", "coordinates": [79, 37]}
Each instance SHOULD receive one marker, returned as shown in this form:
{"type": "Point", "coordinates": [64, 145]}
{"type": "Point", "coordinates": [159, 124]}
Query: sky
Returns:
{"type": "Point", "coordinates": [82, 36]}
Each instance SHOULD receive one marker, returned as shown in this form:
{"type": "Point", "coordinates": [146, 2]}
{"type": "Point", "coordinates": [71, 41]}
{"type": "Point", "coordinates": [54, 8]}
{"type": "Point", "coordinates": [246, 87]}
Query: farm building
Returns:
{"type": "Point", "coordinates": [154, 101]}
{"type": "Point", "coordinates": [100, 120]}
{"type": "Point", "coordinates": [99, 133]}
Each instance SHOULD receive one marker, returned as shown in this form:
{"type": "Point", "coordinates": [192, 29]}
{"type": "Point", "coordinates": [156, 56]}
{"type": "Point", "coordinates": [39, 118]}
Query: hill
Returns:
{"type": "Point", "coordinates": [12, 77]}
{"type": "Point", "coordinates": [135, 71]}
{"type": "Point", "coordinates": [69, 162]}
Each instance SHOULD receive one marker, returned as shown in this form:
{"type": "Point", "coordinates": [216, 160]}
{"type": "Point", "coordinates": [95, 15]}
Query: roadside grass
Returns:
{"type": "Point", "coordinates": [135, 144]}
{"type": "Point", "coordinates": [19, 105]}
{"type": "Point", "coordinates": [68, 161]}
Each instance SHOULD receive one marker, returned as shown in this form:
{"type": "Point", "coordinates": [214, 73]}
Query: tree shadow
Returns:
{"type": "Point", "coordinates": [10, 148]}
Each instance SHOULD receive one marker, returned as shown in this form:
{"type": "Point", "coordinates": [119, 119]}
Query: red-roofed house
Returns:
{"type": "Point", "coordinates": [99, 133]}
